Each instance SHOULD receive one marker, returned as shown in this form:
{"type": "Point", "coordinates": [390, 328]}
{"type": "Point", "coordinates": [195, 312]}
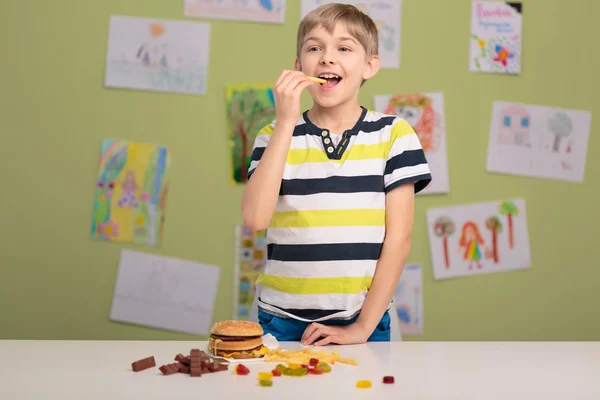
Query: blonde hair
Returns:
{"type": "Point", "coordinates": [359, 25]}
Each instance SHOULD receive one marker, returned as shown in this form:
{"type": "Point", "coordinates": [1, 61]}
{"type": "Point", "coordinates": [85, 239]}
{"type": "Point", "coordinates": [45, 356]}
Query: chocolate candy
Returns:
{"type": "Point", "coordinates": [143, 364]}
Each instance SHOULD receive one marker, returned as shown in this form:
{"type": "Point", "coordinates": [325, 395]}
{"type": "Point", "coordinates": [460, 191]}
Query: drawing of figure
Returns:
{"type": "Point", "coordinates": [417, 110]}
{"type": "Point", "coordinates": [470, 244]}
{"type": "Point", "coordinates": [129, 187]}
{"type": "Point", "coordinates": [515, 126]}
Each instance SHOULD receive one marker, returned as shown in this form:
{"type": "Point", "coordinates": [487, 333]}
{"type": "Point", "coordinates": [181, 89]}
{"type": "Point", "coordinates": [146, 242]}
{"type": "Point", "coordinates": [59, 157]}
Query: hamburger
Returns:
{"type": "Point", "coordinates": [237, 339]}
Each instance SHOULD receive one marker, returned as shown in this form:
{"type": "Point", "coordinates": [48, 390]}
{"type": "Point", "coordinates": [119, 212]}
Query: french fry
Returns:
{"type": "Point", "coordinates": [317, 80]}
{"type": "Point", "coordinates": [303, 356]}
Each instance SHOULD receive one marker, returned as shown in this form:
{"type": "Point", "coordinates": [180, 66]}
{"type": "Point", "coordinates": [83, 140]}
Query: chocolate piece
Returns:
{"type": "Point", "coordinates": [170, 369]}
{"type": "Point", "coordinates": [143, 364]}
{"type": "Point", "coordinates": [184, 370]}
{"type": "Point", "coordinates": [182, 359]}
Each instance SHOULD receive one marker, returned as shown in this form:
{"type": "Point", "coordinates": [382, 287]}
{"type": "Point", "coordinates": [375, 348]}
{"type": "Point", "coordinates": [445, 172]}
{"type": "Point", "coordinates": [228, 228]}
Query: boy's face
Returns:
{"type": "Point", "coordinates": [339, 58]}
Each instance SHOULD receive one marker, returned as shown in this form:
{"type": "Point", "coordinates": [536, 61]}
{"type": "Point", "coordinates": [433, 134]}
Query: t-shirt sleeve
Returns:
{"type": "Point", "coordinates": [258, 149]}
{"type": "Point", "coordinates": [405, 161]}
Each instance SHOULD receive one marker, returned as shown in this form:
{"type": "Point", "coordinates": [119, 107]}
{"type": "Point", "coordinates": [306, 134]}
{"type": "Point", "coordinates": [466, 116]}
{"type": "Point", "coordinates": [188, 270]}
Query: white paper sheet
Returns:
{"type": "Point", "coordinates": [157, 54]}
{"type": "Point", "coordinates": [387, 16]}
{"type": "Point", "coordinates": [165, 293]}
{"type": "Point", "coordinates": [478, 238]}
{"type": "Point", "coordinates": [270, 11]}
{"type": "Point", "coordinates": [538, 141]}
{"type": "Point", "coordinates": [425, 113]}
{"type": "Point", "coordinates": [408, 300]}
{"type": "Point", "coordinates": [496, 37]}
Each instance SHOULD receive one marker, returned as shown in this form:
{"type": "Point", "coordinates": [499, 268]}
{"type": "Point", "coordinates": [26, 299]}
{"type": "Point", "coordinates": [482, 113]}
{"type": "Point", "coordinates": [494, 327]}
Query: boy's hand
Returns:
{"type": "Point", "coordinates": [349, 334]}
{"type": "Point", "coordinates": [287, 91]}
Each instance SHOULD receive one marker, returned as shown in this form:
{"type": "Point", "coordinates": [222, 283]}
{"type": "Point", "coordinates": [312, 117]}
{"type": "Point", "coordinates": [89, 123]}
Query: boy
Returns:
{"type": "Point", "coordinates": [335, 187]}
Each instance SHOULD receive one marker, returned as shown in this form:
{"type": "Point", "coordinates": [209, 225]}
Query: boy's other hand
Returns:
{"type": "Point", "coordinates": [287, 91]}
{"type": "Point", "coordinates": [348, 334]}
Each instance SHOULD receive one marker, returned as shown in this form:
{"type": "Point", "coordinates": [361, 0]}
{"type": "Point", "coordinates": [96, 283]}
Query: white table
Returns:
{"type": "Point", "coordinates": [423, 370]}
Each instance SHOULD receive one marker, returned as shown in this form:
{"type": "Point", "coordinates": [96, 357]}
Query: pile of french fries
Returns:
{"type": "Point", "coordinates": [303, 356]}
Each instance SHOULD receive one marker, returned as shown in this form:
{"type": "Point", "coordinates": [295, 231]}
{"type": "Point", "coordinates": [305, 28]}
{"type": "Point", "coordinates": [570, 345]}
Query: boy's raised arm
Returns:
{"type": "Point", "coordinates": [262, 190]}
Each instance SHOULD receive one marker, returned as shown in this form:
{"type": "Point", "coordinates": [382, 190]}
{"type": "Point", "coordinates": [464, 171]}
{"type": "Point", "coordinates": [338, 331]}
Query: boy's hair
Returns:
{"type": "Point", "coordinates": [359, 25]}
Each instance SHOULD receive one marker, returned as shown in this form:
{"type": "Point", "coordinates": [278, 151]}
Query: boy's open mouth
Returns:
{"type": "Point", "coordinates": [332, 80]}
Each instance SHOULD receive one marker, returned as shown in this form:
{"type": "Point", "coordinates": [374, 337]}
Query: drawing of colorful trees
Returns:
{"type": "Point", "coordinates": [495, 226]}
{"type": "Point", "coordinates": [444, 227]}
{"type": "Point", "coordinates": [250, 108]}
{"type": "Point", "coordinates": [509, 209]}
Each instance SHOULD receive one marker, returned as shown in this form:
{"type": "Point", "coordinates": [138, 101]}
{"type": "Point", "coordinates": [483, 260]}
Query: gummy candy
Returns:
{"type": "Point", "coordinates": [265, 383]}
{"type": "Point", "coordinates": [276, 372]}
{"type": "Point", "coordinates": [315, 371]}
{"type": "Point", "coordinates": [280, 367]}
{"type": "Point", "coordinates": [288, 371]}
{"type": "Point", "coordinates": [300, 371]}
{"type": "Point", "coordinates": [363, 384]}
{"type": "Point", "coordinates": [313, 361]}
{"type": "Point", "coordinates": [324, 366]}
{"type": "Point", "coordinates": [265, 376]}
{"type": "Point", "coordinates": [293, 366]}
{"type": "Point", "coordinates": [241, 369]}
{"type": "Point", "coordinates": [388, 379]}
{"type": "Point", "coordinates": [305, 366]}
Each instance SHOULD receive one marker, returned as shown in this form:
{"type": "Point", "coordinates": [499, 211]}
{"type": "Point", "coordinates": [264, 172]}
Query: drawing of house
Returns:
{"type": "Point", "coordinates": [515, 126]}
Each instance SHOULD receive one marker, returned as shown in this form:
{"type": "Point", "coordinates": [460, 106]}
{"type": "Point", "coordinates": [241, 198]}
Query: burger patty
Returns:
{"type": "Point", "coordinates": [233, 338]}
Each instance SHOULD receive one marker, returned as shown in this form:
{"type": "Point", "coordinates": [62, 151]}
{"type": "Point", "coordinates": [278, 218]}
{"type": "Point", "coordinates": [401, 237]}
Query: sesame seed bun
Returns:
{"type": "Point", "coordinates": [237, 328]}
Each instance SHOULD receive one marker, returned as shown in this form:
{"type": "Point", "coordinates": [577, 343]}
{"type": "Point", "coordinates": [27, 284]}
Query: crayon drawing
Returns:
{"type": "Point", "coordinates": [250, 258]}
{"type": "Point", "coordinates": [249, 109]}
{"type": "Point", "coordinates": [131, 193]}
{"type": "Point", "coordinates": [478, 238]}
{"type": "Point", "coordinates": [538, 141]}
{"type": "Point", "coordinates": [267, 11]}
{"type": "Point", "coordinates": [387, 17]}
{"type": "Point", "coordinates": [408, 300]}
{"type": "Point", "coordinates": [425, 113]}
{"type": "Point", "coordinates": [157, 55]}
{"type": "Point", "coordinates": [496, 35]}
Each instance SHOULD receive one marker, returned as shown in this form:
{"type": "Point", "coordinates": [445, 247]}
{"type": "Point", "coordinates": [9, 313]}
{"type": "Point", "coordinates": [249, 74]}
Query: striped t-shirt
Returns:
{"type": "Point", "coordinates": [327, 231]}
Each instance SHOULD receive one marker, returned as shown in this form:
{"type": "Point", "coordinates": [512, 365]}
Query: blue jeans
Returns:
{"type": "Point", "coordinates": [291, 330]}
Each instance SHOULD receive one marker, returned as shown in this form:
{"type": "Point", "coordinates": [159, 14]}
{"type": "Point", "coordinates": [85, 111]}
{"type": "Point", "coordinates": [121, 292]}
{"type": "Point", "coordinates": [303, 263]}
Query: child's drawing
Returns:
{"type": "Point", "coordinates": [159, 55]}
{"type": "Point", "coordinates": [269, 11]}
{"type": "Point", "coordinates": [483, 244]}
{"type": "Point", "coordinates": [538, 141]}
{"type": "Point", "coordinates": [249, 109]}
{"type": "Point", "coordinates": [443, 227]}
{"type": "Point", "coordinates": [408, 300]}
{"type": "Point", "coordinates": [515, 126]}
{"type": "Point", "coordinates": [471, 244]}
{"type": "Point", "coordinates": [387, 17]}
{"type": "Point", "coordinates": [496, 37]}
{"type": "Point", "coordinates": [250, 259]}
{"type": "Point", "coordinates": [494, 225]}
{"type": "Point", "coordinates": [425, 113]}
{"type": "Point", "coordinates": [131, 191]}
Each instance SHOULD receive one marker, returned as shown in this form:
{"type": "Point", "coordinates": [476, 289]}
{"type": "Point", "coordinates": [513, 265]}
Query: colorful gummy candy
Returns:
{"type": "Point", "coordinates": [364, 384]}
{"type": "Point", "coordinates": [264, 376]}
{"type": "Point", "coordinates": [241, 369]}
{"type": "Point", "coordinates": [276, 372]}
{"type": "Point", "coordinates": [388, 379]}
{"type": "Point", "coordinates": [313, 361]}
{"type": "Point", "coordinates": [324, 366]}
{"type": "Point", "coordinates": [266, 383]}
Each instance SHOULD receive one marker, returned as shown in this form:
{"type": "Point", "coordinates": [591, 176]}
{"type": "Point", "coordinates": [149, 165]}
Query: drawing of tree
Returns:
{"type": "Point", "coordinates": [509, 209]}
{"type": "Point", "coordinates": [561, 126]}
{"type": "Point", "coordinates": [444, 227]}
{"type": "Point", "coordinates": [494, 225]}
{"type": "Point", "coordinates": [250, 109]}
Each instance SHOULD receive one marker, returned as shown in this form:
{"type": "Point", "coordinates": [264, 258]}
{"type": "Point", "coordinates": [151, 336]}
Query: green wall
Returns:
{"type": "Point", "coordinates": [57, 283]}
